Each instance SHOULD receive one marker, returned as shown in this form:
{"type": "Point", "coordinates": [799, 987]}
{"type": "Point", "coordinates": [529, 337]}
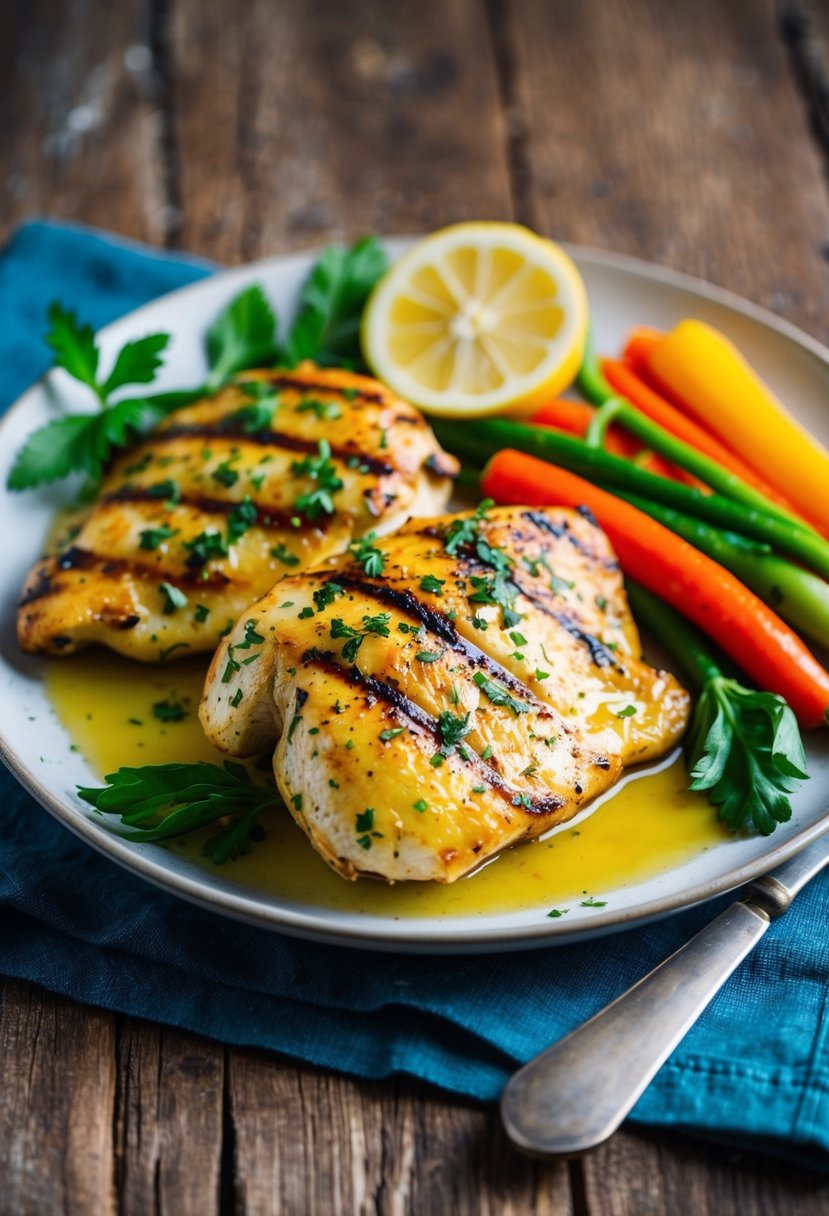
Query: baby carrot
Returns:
{"type": "Point", "coordinates": [746, 629]}
{"type": "Point", "coordinates": [631, 386]}
{"type": "Point", "coordinates": [575, 417]}
{"type": "Point", "coordinates": [713, 381]}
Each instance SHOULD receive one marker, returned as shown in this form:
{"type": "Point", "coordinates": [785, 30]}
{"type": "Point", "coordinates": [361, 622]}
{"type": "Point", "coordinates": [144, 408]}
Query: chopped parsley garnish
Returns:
{"type": "Point", "coordinates": [593, 903]}
{"type": "Point", "coordinates": [391, 733]}
{"type": "Point", "coordinates": [305, 613]}
{"type": "Point", "coordinates": [421, 805]}
{"type": "Point", "coordinates": [241, 518]}
{"type": "Point", "coordinates": [541, 675]}
{"type": "Point", "coordinates": [284, 555]}
{"type": "Point", "coordinates": [173, 598]}
{"type": "Point", "coordinates": [225, 474]}
{"type": "Point", "coordinates": [378, 624]}
{"type": "Point", "coordinates": [169, 710]}
{"type": "Point", "coordinates": [499, 695]}
{"type": "Point", "coordinates": [257, 413]}
{"type": "Point", "coordinates": [368, 555]}
{"type": "Point", "coordinates": [326, 411]}
{"type": "Point", "coordinates": [208, 544]}
{"type": "Point", "coordinates": [627, 712]}
{"type": "Point", "coordinates": [555, 913]}
{"type": "Point", "coordinates": [517, 638]}
{"type": "Point", "coordinates": [486, 754]}
{"type": "Point", "coordinates": [365, 820]}
{"type": "Point", "coordinates": [496, 589]}
{"type": "Point", "coordinates": [151, 538]}
{"type": "Point", "coordinates": [431, 584]}
{"type": "Point", "coordinates": [236, 699]}
{"type": "Point", "coordinates": [326, 594]}
{"type": "Point", "coordinates": [170, 490]}
{"type": "Point", "coordinates": [322, 470]}
{"type": "Point", "coordinates": [452, 729]}
{"type": "Point", "coordinates": [429, 656]}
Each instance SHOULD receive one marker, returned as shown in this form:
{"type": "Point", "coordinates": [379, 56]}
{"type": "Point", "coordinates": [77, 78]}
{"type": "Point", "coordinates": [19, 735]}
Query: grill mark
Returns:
{"type": "Point", "coordinates": [563, 531]}
{"type": "Point", "coordinates": [272, 439]}
{"type": "Point", "coordinates": [381, 690]}
{"type": "Point", "coordinates": [440, 626]}
{"type": "Point", "coordinates": [279, 380]}
{"type": "Point", "coordinates": [599, 653]}
{"type": "Point", "coordinates": [267, 517]}
{"type": "Point", "coordinates": [76, 558]}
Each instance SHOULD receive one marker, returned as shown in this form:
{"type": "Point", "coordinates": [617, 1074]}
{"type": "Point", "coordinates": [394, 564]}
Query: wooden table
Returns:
{"type": "Point", "coordinates": [691, 133]}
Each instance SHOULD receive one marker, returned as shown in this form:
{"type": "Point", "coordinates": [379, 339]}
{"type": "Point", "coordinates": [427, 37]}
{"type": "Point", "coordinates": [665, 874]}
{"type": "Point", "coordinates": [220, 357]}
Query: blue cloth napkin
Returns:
{"type": "Point", "coordinates": [753, 1072]}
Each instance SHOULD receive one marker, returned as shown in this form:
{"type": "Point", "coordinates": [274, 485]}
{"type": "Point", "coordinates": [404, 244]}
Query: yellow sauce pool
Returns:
{"type": "Point", "coordinates": [649, 825]}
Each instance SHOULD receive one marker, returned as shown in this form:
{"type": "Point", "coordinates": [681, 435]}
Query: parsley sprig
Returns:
{"type": "Point", "coordinates": [243, 336]}
{"type": "Point", "coordinates": [743, 748]}
{"type": "Point", "coordinates": [327, 326]}
{"type": "Point", "coordinates": [158, 801]}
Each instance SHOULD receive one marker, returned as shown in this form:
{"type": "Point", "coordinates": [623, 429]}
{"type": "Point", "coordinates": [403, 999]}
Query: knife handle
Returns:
{"type": "Point", "coordinates": [573, 1096]}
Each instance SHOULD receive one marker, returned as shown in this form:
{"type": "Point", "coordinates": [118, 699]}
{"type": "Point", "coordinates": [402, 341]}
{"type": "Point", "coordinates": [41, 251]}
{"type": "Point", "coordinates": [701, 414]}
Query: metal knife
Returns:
{"type": "Point", "coordinates": [574, 1095]}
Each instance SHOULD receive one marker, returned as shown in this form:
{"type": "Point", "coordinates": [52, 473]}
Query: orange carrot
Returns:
{"type": "Point", "coordinates": [575, 417]}
{"type": "Point", "coordinates": [639, 345]}
{"type": "Point", "coordinates": [628, 384]}
{"type": "Point", "coordinates": [745, 628]}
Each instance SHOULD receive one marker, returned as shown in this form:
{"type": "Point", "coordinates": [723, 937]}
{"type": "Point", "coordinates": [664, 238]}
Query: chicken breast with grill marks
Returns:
{"type": "Point", "coordinates": [198, 520]}
{"type": "Point", "coordinates": [446, 692]}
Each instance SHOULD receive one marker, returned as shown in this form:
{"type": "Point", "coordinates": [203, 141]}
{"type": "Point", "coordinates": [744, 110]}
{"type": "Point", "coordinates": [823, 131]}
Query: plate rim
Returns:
{"type": "Point", "coordinates": [397, 933]}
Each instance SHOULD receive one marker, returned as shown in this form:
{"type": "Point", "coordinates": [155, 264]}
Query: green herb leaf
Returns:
{"type": "Point", "coordinates": [169, 710]}
{"type": "Point", "coordinates": [431, 584]}
{"type": "Point", "coordinates": [744, 750]}
{"type": "Point", "coordinates": [241, 337]}
{"type": "Point", "coordinates": [78, 443]}
{"type": "Point", "coordinates": [157, 801]}
{"type": "Point", "coordinates": [74, 345]}
{"type": "Point", "coordinates": [368, 555]}
{"type": "Point", "coordinates": [499, 695]}
{"type": "Point", "coordinates": [327, 326]}
{"type": "Point", "coordinates": [322, 470]}
{"type": "Point", "coordinates": [173, 598]}
{"type": "Point", "coordinates": [151, 538]}
{"type": "Point", "coordinates": [137, 363]}
{"type": "Point", "coordinates": [284, 555]}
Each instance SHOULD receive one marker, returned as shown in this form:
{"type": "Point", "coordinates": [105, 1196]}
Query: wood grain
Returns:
{"type": "Point", "coordinates": [675, 132]}
{"type": "Point", "coordinates": [375, 1149]}
{"type": "Point", "coordinates": [78, 119]}
{"type": "Point", "coordinates": [168, 1116]}
{"type": "Point", "coordinates": [57, 1083]}
{"type": "Point", "coordinates": [671, 1174]}
{"type": "Point", "coordinates": [301, 122]}
{"type": "Point", "coordinates": [678, 132]}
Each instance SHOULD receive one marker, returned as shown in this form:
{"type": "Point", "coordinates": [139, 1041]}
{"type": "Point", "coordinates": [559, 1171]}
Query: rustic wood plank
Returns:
{"type": "Point", "coordinates": [635, 1175]}
{"type": "Point", "coordinates": [674, 132]}
{"type": "Point", "coordinates": [302, 122]}
{"type": "Point", "coordinates": [310, 1141]}
{"type": "Point", "coordinates": [804, 28]}
{"type": "Point", "coordinates": [57, 1085]}
{"type": "Point", "coordinates": [79, 127]}
{"type": "Point", "coordinates": [168, 1121]}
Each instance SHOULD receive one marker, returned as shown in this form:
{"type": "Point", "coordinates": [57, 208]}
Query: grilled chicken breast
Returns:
{"type": "Point", "coordinates": [199, 519]}
{"type": "Point", "coordinates": [437, 696]}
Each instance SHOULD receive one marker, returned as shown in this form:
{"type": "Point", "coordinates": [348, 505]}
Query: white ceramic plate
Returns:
{"type": "Point", "coordinates": [623, 292]}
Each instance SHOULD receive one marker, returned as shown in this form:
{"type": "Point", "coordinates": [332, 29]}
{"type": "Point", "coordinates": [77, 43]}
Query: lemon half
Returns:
{"type": "Point", "coordinates": [478, 318]}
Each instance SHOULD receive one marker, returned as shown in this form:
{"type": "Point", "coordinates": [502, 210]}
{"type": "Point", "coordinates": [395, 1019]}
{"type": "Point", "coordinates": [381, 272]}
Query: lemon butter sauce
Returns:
{"type": "Point", "coordinates": [647, 825]}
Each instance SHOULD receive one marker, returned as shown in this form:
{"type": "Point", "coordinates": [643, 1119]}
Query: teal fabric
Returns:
{"type": "Point", "coordinates": [754, 1071]}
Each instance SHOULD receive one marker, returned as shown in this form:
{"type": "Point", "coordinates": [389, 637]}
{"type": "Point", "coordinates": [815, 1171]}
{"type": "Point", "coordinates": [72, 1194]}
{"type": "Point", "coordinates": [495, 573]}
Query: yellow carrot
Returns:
{"type": "Point", "coordinates": [701, 369]}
